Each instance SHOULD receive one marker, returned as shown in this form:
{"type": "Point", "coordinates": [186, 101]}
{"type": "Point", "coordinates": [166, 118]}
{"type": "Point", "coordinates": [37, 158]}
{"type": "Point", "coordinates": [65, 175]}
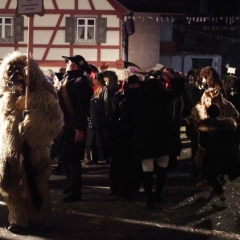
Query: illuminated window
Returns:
{"type": "Point", "coordinates": [86, 29]}
{"type": "Point", "coordinates": [6, 27]}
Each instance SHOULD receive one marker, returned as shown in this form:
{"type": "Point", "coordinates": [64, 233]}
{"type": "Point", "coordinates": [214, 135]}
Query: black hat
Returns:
{"type": "Point", "coordinates": [80, 62]}
{"type": "Point", "coordinates": [133, 79]}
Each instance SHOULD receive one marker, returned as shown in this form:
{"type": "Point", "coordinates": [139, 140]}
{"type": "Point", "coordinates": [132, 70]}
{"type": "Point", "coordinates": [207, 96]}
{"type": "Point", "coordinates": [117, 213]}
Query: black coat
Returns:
{"type": "Point", "coordinates": [79, 93]}
{"type": "Point", "coordinates": [154, 124]}
{"type": "Point", "coordinates": [99, 112]}
{"type": "Point", "coordinates": [218, 137]}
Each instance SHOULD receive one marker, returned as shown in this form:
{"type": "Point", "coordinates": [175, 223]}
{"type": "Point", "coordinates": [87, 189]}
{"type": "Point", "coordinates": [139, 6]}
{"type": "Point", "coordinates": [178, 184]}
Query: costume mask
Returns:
{"type": "Point", "coordinates": [17, 76]}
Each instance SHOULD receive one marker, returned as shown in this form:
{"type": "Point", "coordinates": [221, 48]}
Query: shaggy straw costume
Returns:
{"type": "Point", "coordinates": [25, 141]}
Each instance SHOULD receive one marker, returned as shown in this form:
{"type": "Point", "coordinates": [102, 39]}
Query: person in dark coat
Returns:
{"type": "Point", "coordinates": [154, 131]}
{"type": "Point", "coordinates": [176, 107]}
{"type": "Point", "coordinates": [125, 172]}
{"type": "Point", "coordinates": [96, 141]}
{"type": "Point", "coordinates": [217, 136]}
{"type": "Point", "coordinates": [74, 98]}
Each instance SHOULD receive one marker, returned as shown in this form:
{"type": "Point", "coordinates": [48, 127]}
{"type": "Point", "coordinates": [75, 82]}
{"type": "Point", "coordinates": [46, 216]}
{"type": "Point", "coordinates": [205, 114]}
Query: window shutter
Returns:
{"type": "Point", "coordinates": [101, 30]}
{"type": "Point", "coordinates": [70, 29]}
{"type": "Point", "coordinates": [18, 29]}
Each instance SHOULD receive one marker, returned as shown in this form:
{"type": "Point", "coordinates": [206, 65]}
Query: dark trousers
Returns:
{"type": "Point", "coordinates": [70, 154]}
{"type": "Point", "coordinates": [216, 184]}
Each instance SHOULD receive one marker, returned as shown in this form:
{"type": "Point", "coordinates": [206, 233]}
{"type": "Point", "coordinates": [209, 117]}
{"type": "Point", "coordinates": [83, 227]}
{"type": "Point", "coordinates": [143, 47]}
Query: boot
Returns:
{"type": "Point", "coordinates": [161, 178]}
{"type": "Point", "coordinates": [147, 184]}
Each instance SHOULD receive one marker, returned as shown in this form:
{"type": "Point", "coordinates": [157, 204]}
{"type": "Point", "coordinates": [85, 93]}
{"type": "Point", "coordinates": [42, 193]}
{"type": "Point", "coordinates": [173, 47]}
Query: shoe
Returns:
{"type": "Point", "coordinates": [73, 196]}
{"type": "Point", "coordinates": [221, 203]}
{"type": "Point", "coordinates": [15, 228]}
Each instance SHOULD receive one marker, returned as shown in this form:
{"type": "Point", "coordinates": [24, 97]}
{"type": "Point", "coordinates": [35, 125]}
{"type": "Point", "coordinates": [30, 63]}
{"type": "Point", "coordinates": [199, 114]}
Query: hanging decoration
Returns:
{"type": "Point", "coordinates": [201, 20]}
{"type": "Point", "coordinates": [212, 35]}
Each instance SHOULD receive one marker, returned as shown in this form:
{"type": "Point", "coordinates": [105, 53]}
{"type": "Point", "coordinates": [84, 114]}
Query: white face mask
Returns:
{"type": "Point", "coordinates": [204, 80]}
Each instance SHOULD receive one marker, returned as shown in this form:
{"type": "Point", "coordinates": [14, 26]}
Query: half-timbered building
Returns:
{"type": "Point", "coordinates": [91, 28]}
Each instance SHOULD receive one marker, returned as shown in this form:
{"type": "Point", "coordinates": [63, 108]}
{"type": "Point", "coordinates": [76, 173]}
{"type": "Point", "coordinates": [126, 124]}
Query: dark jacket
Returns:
{"type": "Point", "coordinates": [221, 156]}
{"type": "Point", "coordinates": [98, 114]}
{"type": "Point", "coordinates": [154, 124]}
{"type": "Point", "coordinates": [79, 93]}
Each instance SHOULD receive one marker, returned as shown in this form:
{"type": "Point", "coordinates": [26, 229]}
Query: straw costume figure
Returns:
{"type": "Point", "coordinates": [25, 139]}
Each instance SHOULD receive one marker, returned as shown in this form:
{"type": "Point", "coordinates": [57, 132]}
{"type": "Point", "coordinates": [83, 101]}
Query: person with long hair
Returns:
{"type": "Point", "coordinates": [212, 79]}
{"type": "Point", "coordinates": [98, 122]}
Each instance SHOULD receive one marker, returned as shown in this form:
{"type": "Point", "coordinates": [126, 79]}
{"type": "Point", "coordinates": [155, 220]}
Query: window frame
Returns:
{"type": "Point", "coordinates": [4, 38]}
{"type": "Point", "coordinates": [100, 30]}
{"type": "Point", "coordinates": [86, 26]}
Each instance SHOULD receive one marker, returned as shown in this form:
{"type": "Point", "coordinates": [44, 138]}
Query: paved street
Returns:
{"type": "Point", "coordinates": [184, 215]}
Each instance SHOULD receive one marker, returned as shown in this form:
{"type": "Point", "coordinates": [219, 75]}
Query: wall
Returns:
{"type": "Point", "coordinates": [144, 44]}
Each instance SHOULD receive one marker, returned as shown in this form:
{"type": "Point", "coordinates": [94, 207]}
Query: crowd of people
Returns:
{"type": "Point", "coordinates": [134, 127]}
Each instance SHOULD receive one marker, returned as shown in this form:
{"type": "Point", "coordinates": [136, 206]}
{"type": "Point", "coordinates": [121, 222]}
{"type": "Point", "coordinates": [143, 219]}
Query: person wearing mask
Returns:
{"type": "Point", "coordinates": [26, 133]}
{"type": "Point", "coordinates": [74, 96]}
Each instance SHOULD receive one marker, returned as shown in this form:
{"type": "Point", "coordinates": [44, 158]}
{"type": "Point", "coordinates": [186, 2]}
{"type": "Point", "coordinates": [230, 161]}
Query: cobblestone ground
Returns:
{"type": "Point", "coordinates": [101, 216]}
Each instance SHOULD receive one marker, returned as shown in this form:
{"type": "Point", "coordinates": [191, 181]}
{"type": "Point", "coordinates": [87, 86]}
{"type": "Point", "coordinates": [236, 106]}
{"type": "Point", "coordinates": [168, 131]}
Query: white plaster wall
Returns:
{"type": "Point", "coordinates": [22, 50]}
{"type": "Point", "coordinates": [46, 20]}
{"type": "Point", "coordinates": [48, 4]}
{"type": "Point", "coordinates": [25, 38]}
{"type": "Point", "coordinates": [3, 3]}
{"type": "Point", "coordinates": [84, 5]}
{"type": "Point", "coordinates": [38, 53]}
{"type": "Point", "coordinates": [56, 54]}
{"type": "Point", "coordinates": [60, 38]}
{"type": "Point", "coordinates": [65, 4]}
{"type": "Point", "coordinates": [13, 4]}
{"type": "Point", "coordinates": [42, 36]}
{"type": "Point", "coordinates": [63, 20]}
{"type": "Point", "coordinates": [112, 20]}
{"type": "Point", "coordinates": [102, 5]}
{"type": "Point", "coordinates": [109, 54]}
{"type": "Point", "coordinates": [25, 21]}
{"type": "Point", "coordinates": [62, 52]}
{"type": "Point", "coordinates": [5, 50]}
{"type": "Point", "coordinates": [88, 54]}
{"type": "Point", "coordinates": [112, 38]}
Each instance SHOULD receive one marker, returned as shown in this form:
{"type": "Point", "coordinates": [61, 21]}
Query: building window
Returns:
{"type": "Point", "coordinates": [86, 29]}
{"type": "Point", "coordinates": [6, 29]}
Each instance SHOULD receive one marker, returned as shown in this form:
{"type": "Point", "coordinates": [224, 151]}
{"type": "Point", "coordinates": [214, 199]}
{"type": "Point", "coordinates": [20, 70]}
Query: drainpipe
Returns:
{"type": "Point", "coordinates": [183, 56]}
